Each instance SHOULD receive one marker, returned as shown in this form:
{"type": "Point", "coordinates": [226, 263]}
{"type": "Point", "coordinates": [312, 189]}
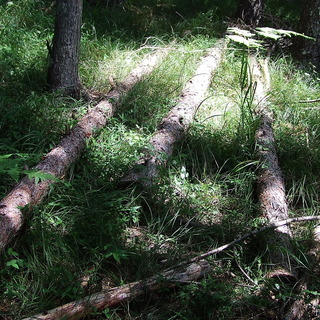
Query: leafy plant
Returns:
{"type": "Point", "coordinates": [247, 38]}
{"type": "Point", "coordinates": [90, 235]}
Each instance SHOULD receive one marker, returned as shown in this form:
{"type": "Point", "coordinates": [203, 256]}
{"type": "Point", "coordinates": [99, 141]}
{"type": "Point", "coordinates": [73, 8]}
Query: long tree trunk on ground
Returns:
{"type": "Point", "coordinates": [64, 56]}
{"type": "Point", "coordinates": [173, 127]}
{"type": "Point", "coordinates": [102, 300]}
{"type": "Point", "coordinates": [250, 11]}
{"type": "Point", "coordinates": [58, 160]}
{"type": "Point", "coordinates": [270, 185]}
{"type": "Point", "coordinates": [310, 25]}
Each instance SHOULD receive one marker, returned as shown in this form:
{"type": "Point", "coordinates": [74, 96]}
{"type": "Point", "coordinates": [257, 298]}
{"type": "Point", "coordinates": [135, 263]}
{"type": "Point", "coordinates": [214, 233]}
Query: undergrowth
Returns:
{"type": "Point", "coordinates": [89, 235]}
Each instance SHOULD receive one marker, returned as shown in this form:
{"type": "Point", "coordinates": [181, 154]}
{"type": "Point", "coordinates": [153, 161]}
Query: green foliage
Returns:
{"type": "Point", "coordinates": [12, 164]}
{"type": "Point", "coordinates": [15, 262]}
{"type": "Point", "coordinates": [246, 38]}
{"type": "Point", "coordinates": [285, 13]}
{"type": "Point", "coordinates": [88, 235]}
{"type": "Point", "coordinates": [39, 176]}
{"type": "Point", "coordinates": [276, 34]}
{"type": "Point", "coordinates": [205, 300]}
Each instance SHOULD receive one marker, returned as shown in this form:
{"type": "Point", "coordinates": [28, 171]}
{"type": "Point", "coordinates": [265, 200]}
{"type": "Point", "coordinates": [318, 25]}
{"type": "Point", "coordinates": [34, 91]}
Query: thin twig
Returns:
{"type": "Point", "coordinates": [249, 234]}
{"type": "Point", "coordinates": [142, 47]}
{"type": "Point", "coordinates": [241, 269]}
{"type": "Point", "coordinates": [309, 101]}
{"type": "Point", "coordinates": [182, 17]}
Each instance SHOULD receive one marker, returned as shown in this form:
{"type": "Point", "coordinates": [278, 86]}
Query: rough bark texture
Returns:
{"type": "Point", "coordinates": [58, 160]}
{"type": "Point", "coordinates": [270, 185]}
{"type": "Point", "coordinates": [310, 25]}
{"type": "Point", "coordinates": [250, 11]}
{"type": "Point", "coordinates": [99, 301]}
{"type": "Point", "coordinates": [64, 58]}
{"type": "Point", "coordinates": [173, 127]}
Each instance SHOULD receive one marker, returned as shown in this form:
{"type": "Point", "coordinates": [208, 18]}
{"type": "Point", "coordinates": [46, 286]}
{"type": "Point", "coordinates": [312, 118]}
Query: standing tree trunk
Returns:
{"type": "Point", "coordinates": [64, 56]}
{"type": "Point", "coordinates": [310, 25]}
{"type": "Point", "coordinates": [250, 11]}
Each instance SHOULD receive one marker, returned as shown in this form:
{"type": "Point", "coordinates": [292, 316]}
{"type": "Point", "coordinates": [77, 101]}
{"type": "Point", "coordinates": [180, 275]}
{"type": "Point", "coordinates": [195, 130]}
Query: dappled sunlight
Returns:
{"type": "Point", "coordinates": [194, 230]}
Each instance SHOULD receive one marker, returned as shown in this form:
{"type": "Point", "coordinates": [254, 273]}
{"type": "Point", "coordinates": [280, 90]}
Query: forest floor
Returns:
{"type": "Point", "coordinates": [90, 234]}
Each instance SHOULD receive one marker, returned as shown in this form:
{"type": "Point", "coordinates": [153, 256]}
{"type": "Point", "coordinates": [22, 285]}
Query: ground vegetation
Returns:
{"type": "Point", "coordinates": [92, 236]}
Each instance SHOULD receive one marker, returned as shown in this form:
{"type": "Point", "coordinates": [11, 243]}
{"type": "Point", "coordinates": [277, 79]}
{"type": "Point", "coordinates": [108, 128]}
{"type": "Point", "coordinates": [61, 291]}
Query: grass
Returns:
{"type": "Point", "coordinates": [88, 234]}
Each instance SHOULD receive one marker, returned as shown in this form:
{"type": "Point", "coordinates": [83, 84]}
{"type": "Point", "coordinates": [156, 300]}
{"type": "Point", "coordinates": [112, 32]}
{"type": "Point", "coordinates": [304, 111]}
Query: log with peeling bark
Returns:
{"type": "Point", "coordinates": [105, 299]}
{"type": "Point", "coordinates": [270, 184]}
{"type": "Point", "coordinates": [57, 161]}
{"type": "Point", "coordinates": [174, 126]}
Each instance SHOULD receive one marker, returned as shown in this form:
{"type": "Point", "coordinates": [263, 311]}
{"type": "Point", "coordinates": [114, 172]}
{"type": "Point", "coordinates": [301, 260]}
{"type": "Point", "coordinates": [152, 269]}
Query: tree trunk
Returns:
{"type": "Point", "coordinates": [310, 25]}
{"type": "Point", "coordinates": [250, 12]}
{"type": "Point", "coordinates": [270, 185]}
{"type": "Point", "coordinates": [64, 58]}
{"type": "Point", "coordinates": [102, 300]}
{"type": "Point", "coordinates": [173, 127]}
{"type": "Point", "coordinates": [58, 160]}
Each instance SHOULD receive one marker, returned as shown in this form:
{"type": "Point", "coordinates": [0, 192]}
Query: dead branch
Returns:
{"type": "Point", "coordinates": [99, 301]}
{"type": "Point", "coordinates": [58, 160]}
{"type": "Point", "coordinates": [174, 126]}
{"type": "Point", "coordinates": [197, 268]}
{"type": "Point", "coordinates": [274, 225]}
{"type": "Point", "coordinates": [309, 101]}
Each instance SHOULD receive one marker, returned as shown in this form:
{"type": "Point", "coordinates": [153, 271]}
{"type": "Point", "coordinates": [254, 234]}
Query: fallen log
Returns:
{"type": "Point", "coordinates": [106, 299]}
{"type": "Point", "coordinates": [57, 161]}
{"type": "Point", "coordinates": [174, 126]}
{"type": "Point", "coordinates": [194, 269]}
{"type": "Point", "coordinates": [270, 182]}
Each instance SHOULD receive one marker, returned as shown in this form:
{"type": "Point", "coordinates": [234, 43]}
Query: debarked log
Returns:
{"type": "Point", "coordinates": [174, 126]}
{"type": "Point", "coordinates": [270, 182]}
{"type": "Point", "coordinates": [102, 300]}
{"type": "Point", "coordinates": [58, 160]}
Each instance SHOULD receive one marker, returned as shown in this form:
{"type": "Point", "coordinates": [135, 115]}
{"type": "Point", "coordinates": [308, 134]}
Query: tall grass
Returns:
{"type": "Point", "coordinates": [89, 235]}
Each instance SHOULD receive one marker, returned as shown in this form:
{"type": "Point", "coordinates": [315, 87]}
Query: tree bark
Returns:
{"type": "Point", "coordinates": [310, 25]}
{"type": "Point", "coordinates": [250, 12]}
{"type": "Point", "coordinates": [58, 160]}
{"type": "Point", "coordinates": [174, 126]}
{"type": "Point", "coordinates": [64, 59]}
{"type": "Point", "coordinates": [270, 184]}
{"type": "Point", "coordinates": [102, 300]}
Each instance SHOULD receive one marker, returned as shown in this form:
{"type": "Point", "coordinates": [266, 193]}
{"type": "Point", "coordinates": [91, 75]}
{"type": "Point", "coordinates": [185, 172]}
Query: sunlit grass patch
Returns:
{"type": "Point", "coordinates": [110, 154]}
{"type": "Point", "coordinates": [89, 235]}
